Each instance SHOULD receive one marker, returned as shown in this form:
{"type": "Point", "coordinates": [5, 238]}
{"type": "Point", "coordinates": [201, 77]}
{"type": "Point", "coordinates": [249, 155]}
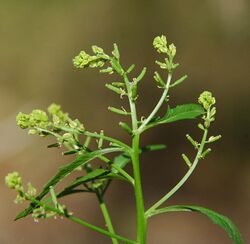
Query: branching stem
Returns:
{"type": "Point", "coordinates": [183, 180]}
{"type": "Point", "coordinates": [158, 105]}
{"type": "Point", "coordinates": [141, 220]}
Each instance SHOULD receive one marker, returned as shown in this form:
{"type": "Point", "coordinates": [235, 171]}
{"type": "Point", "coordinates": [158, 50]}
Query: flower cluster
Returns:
{"type": "Point", "coordinates": [60, 125]}
{"type": "Point", "coordinates": [57, 124]}
{"type": "Point", "coordinates": [160, 44]}
{"type": "Point", "coordinates": [14, 181]}
{"type": "Point", "coordinates": [83, 59]}
{"type": "Point", "coordinates": [207, 100]}
{"type": "Point", "coordinates": [37, 118]}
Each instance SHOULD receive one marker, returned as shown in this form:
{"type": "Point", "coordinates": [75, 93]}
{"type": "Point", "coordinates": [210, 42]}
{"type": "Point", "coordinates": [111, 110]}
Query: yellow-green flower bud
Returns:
{"type": "Point", "coordinates": [97, 50]}
{"type": "Point", "coordinates": [38, 117]}
{"type": "Point", "coordinates": [19, 199]}
{"type": "Point", "coordinates": [81, 60]}
{"type": "Point", "coordinates": [160, 44]}
{"type": "Point", "coordinates": [206, 99]}
{"type": "Point", "coordinates": [54, 109]}
{"type": "Point", "coordinates": [23, 120]}
{"type": "Point", "coordinates": [14, 181]}
{"type": "Point", "coordinates": [59, 118]}
{"type": "Point", "coordinates": [84, 60]}
{"type": "Point", "coordinates": [172, 50]}
{"type": "Point", "coordinates": [31, 190]}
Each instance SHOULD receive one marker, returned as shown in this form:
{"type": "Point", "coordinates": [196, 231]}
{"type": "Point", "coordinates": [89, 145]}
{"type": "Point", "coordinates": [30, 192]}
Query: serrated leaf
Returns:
{"type": "Point", "coordinates": [182, 112]}
{"type": "Point", "coordinates": [223, 221]}
{"type": "Point", "coordinates": [65, 171]}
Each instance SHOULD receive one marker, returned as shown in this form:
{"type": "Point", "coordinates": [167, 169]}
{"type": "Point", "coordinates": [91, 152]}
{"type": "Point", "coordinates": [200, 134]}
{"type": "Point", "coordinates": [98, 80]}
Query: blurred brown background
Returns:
{"type": "Point", "coordinates": [37, 42]}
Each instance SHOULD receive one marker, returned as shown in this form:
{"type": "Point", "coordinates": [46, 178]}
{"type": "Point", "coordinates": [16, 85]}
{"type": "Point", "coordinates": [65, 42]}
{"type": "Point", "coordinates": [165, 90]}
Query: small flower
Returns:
{"type": "Point", "coordinates": [14, 181]}
{"type": "Point", "coordinates": [81, 60]}
{"type": "Point", "coordinates": [54, 109]}
{"type": "Point", "coordinates": [172, 50]}
{"type": "Point", "coordinates": [42, 213]}
{"type": "Point", "coordinates": [97, 50]}
{"type": "Point", "coordinates": [76, 124]}
{"type": "Point", "coordinates": [31, 190]}
{"type": "Point", "coordinates": [84, 60]}
{"type": "Point", "coordinates": [19, 199]}
{"type": "Point", "coordinates": [23, 120]}
{"type": "Point", "coordinates": [160, 44]}
{"type": "Point", "coordinates": [37, 118]}
{"type": "Point", "coordinates": [206, 99]}
{"type": "Point", "coordinates": [58, 116]}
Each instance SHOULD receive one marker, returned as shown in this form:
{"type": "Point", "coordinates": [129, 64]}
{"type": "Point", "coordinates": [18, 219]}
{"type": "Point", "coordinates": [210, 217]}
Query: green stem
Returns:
{"type": "Point", "coordinates": [100, 230]}
{"type": "Point", "coordinates": [141, 220]}
{"type": "Point", "coordinates": [82, 222]}
{"type": "Point", "coordinates": [106, 216]}
{"type": "Point", "coordinates": [119, 169]}
{"type": "Point", "coordinates": [124, 174]}
{"type": "Point", "coordinates": [183, 180]}
{"type": "Point", "coordinates": [158, 105]}
{"type": "Point", "coordinates": [110, 139]}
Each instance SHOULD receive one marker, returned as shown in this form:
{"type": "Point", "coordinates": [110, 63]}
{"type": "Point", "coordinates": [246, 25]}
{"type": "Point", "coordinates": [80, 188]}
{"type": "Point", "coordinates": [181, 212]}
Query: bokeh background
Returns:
{"type": "Point", "coordinates": [37, 42]}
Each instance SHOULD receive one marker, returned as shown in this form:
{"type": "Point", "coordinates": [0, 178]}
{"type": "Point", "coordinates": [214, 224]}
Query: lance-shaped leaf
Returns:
{"type": "Point", "coordinates": [65, 171]}
{"type": "Point", "coordinates": [217, 218]}
{"type": "Point", "coordinates": [97, 174]}
{"type": "Point", "coordinates": [80, 180]}
{"type": "Point", "coordinates": [180, 112]}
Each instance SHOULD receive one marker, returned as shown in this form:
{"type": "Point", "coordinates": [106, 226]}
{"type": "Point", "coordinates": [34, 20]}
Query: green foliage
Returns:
{"type": "Point", "coordinates": [182, 112]}
{"type": "Point", "coordinates": [217, 219]}
{"type": "Point", "coordinates": [65, 171]}
{"type": "Point", "coordinates": [86, 146]}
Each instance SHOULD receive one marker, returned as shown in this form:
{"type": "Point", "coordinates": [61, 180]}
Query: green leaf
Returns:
{"type": "Point", "coordinates": [94, 175]}
{"type": "Point", "coordinates": [217, 218]}
{"type": "Point", "coordinates": [121, 161]}
{"type": "Point", "coordinates": [154, 147]}
{"type": "Point", "coordinates": [65, 171]}
{"type": "Point", "coordinates": [84, 179]}
{"type": "Point", "coordinates": [182, 112]}
{"type": "Point", "coordinates": [70, 152]}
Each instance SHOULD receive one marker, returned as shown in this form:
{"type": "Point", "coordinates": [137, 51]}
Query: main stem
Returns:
{"type": "Point", "coordinates": [141, 220]}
